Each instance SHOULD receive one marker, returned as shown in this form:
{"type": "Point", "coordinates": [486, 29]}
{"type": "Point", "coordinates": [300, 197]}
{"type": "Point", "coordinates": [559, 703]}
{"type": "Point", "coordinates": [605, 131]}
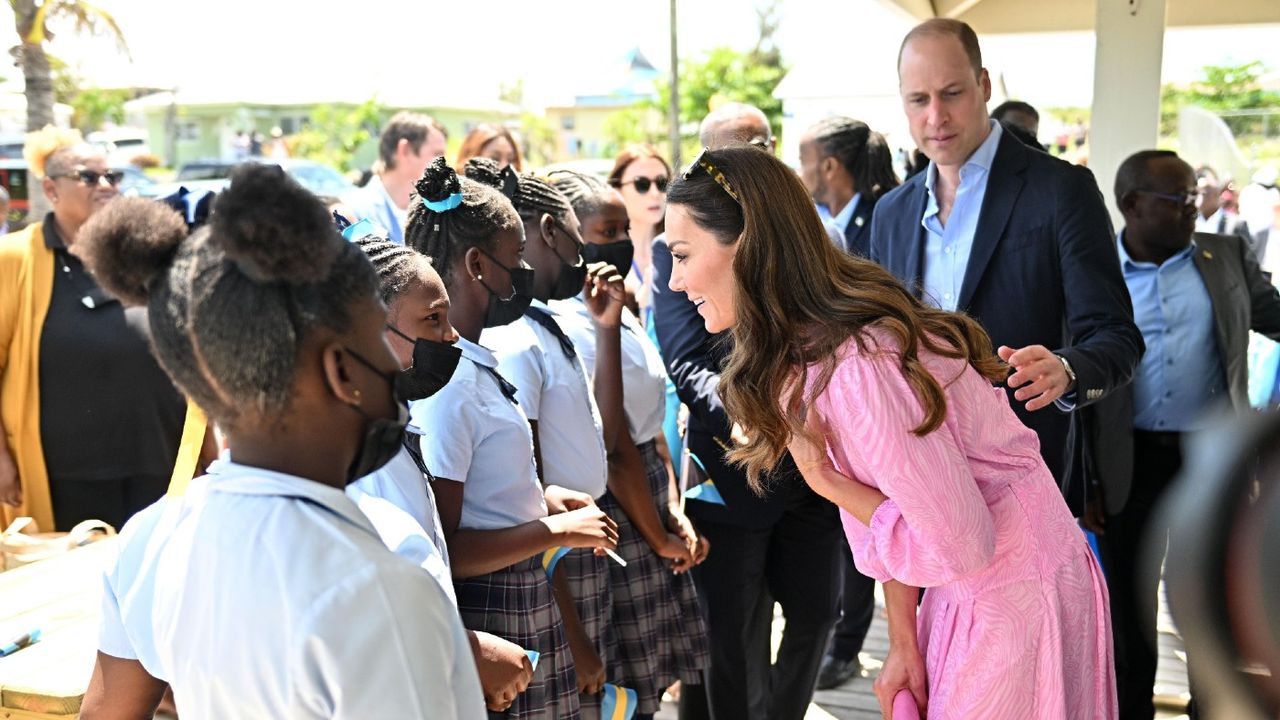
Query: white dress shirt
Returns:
{"type": "Point", "coordinates": [399, 502]}
{"type": "Point", "coordinates": [554, 392]}
{"type": "Point", "coordinates": [644, 375]}
{"type": "Point", "coordinates": [473, 434]}
{"type": "Point", "coordinates": [260, 594]}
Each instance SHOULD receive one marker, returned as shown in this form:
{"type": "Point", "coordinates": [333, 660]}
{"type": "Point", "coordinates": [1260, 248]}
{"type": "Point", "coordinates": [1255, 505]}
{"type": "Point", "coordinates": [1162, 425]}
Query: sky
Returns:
{"type": "Point", "coordinates": [464, 50]}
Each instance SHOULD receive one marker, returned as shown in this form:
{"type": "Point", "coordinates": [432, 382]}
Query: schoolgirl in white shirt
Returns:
{"type": "Point", "coordinates": [398, 498]}
{"type": "Point", "coordinates": [572, 437]}
{"type": "Point", "coordinates": [243, 595]}
{"type": "Point", "coordinates": [659, 635]}
{"type": "Point", "coordinates": [478, 444]}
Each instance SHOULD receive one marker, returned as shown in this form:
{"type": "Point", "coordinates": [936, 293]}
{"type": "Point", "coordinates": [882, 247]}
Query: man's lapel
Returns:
{"type": "Point", "coordinates": [1004, 184]}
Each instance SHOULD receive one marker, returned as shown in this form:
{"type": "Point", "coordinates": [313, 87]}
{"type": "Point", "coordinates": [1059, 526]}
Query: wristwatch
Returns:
{"type": "Point", "coordinates": [1071, 374]}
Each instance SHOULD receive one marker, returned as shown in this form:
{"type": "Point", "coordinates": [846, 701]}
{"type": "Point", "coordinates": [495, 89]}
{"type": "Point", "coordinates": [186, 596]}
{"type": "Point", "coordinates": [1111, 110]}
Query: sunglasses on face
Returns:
{"type": "Point", "coordinates": [1182, 199]}
{"type": "Point", "coordinates": [643, 184]}
{"type": "Point", "coordinates": [92, 177]}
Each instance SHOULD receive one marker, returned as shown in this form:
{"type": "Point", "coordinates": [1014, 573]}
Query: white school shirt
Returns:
{"type": "Point", "coordinates": [474, 435]}
{"type": "Point", "coordinates": [554, 392]}
{"type": "Point", "coordinates": [398, 500]}
{"type": "Point", "coordinates": [644, 375]}
{"type": "Point", "coordinates": [260, 594]}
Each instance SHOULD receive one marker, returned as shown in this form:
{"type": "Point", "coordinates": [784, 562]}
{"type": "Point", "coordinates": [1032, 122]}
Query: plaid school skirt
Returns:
{"type": "Point", "coordinates": [516, 604]}
{"type": "Point", "coordinates": [589, 583]}
{"type": "Point", "coordinates": [658, 633]}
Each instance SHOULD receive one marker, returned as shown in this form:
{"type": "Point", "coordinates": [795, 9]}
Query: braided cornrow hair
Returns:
{"type": "Point", "coordinates": [230, 305]}
{"type": "Point", "coordinates": [398, 267]}
{"type": "Point", "coordinates": [586, 193]}
{"type": "Point", "coordinates": [446, 236]}
{"type": "Point", "coordinates": [531, 195]}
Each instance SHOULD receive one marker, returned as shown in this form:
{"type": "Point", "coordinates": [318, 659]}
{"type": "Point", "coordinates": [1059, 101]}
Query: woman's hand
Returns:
{"type": "Point", "coordinates": [504, 667]}
{"type": "Point", "coordinates": [10, 488]}
{"type": "Point", "coordinates": [562, 499]}
{"type": "Point", "coordinates": [587, 527]}
{"type": "Point", "coordinates": [674, 549]}
{"type": "Point", "coordinates": [605, 294]}
{"type": "Point", "coordinates": [903, 668]}
{"type": "Point", "coordinates": [586, 665]}
{"type": "Point", "coordinates": [812, 460]}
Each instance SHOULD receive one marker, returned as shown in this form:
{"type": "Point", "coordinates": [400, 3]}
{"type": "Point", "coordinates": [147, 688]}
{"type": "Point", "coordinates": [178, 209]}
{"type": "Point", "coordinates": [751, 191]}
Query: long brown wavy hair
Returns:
{"type": "Point", "coordinates": [798, 298]}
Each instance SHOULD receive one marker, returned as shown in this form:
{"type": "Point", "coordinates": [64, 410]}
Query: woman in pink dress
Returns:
{"type": "Point", "coordinates": [889, 410]}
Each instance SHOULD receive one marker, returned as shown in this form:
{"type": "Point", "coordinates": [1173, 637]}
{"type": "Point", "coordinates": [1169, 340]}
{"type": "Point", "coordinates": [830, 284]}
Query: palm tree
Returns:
{"type": "Point", "coordinates": [31, 20]}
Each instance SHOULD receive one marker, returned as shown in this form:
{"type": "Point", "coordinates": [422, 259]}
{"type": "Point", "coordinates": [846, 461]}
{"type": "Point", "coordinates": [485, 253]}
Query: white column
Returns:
{"type": "Point", "coordinates": [1126, 87]}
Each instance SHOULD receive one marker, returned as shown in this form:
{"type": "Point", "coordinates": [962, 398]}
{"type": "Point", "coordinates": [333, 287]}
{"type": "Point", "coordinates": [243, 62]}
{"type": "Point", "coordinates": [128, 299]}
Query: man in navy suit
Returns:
{"type": "Point", "coordinates": [847, 168]}
{"type": "Point", "coordinates": [1014, 237]}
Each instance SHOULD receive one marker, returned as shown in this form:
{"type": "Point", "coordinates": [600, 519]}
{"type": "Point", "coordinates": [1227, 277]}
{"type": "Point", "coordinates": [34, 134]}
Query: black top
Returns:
{"type": "Point", "coordinates": [107, 409]}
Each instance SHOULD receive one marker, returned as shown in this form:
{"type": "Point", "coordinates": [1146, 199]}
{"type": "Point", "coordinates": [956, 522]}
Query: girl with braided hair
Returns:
{"type": "Point", "coordinates": [573, 429]}
{"type": "Point", "coordinates": [479, 445]}
{"type": "Point", "coordinates": [658, 633]}
{"type": "Point", "coordinates": [240, 593]}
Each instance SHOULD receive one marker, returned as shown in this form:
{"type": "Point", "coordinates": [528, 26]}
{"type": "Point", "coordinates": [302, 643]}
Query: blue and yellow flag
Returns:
{"type": "Point", "coordinates": [551, 557]}
{"type": "Point", "coordinates": [706, 492]}
{"type": "Point", "coordinates": [619, 703]}
{"type": "Point", "coordinates": [533, 657]}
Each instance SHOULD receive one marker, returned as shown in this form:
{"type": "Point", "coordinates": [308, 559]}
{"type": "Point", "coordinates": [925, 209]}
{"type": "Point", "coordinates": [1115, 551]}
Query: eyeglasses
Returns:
{"type": "Point", "coordinates": [1184, 199]}
{"type": "Point", "coordinates": [702, 162]}
{"type": "Point", "coordinates": [643, 184]}
{"type": "Point", "coordinates": [92, 177]}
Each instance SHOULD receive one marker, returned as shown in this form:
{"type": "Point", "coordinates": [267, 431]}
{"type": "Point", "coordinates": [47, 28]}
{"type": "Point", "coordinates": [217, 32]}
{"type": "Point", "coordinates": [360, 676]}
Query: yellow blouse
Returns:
{"type": "Point", "coordinates": [26, 284]}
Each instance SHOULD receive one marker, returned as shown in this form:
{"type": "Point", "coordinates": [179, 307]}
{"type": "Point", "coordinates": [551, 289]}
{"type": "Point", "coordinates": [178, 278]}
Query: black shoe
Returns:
{"type": "Point", "coordinates": [836, 672]}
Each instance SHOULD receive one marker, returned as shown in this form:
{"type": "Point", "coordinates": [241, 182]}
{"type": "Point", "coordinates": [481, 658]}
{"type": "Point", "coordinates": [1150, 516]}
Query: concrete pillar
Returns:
{"type": "Point", "coordinates": [1126, 87]}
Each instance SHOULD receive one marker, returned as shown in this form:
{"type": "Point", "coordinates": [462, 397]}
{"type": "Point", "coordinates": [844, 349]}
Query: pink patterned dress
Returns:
{"type": "Point", "coordinates": [1014, 622]}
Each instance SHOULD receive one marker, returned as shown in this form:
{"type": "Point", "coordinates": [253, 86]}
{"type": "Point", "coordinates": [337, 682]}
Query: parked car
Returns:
{"type": "Point", "coordinates": [215, 174]}
{"type": "Point", "coordinates": [136, 182]}
{"type": "Point", "coordinates": [13, 176]}
{"type": "Point", "coordinates": [121, 145]}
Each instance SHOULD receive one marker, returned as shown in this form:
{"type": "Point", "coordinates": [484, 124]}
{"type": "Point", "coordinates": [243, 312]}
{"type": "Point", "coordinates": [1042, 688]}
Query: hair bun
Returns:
{"type": "Point", "coordinates": [273, 229]}
{"type": "Point", "coordinates": [484, 171]}
{"type": "Point", "coordinates": [129, 244]}
{"type": "Point", "coordinates": [438, 181]}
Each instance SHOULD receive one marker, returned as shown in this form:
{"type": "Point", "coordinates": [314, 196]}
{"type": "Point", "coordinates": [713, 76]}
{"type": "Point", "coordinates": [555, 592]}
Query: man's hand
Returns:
{"type": "Point", "coordinates": [1039, 375]}
{"type": "Point", "coordinates": [504, 667]}
{"type": "Point", "coordinates": [10, 488]}
{"type": "Point", "coordinates": [1095, 514]}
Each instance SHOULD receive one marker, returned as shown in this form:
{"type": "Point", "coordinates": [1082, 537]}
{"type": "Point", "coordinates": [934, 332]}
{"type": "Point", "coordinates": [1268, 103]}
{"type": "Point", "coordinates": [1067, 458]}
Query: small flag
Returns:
{"type": "Point", "coordinates": [360, 229]}
{"type": "Point", "coordinates": [533, 657]}
{"type": "Point", "coordinates": [706, 492]}
{"type": "Point", "coordinates": [616, 557]}
{"type": "Point", "coordinates": [551, 557]}
{"type": "Point", "coordinates": [619, 703]}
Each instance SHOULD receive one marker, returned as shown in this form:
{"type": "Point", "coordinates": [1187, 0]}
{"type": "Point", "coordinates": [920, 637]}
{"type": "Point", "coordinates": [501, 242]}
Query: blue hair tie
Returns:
{"type": "Point", "coordinates": [358, 230]}
{"type": "Point", "coordinates": [444, 205]}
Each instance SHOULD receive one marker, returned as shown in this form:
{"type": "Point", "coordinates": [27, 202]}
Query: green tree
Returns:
{"type": "Point", "coordinates": [92, 107]}
{"type": "Point", "coordinates": [1221, 88]}
{"type": "Point", "coordinates": [31, 21]}
{"type": "Point", "coordinates": [336, 132]}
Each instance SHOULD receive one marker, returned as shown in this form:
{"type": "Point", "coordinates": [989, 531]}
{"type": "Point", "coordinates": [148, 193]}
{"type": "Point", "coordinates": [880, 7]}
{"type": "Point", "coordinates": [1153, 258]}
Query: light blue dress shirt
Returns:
{"type": "Point", "coordinates": [845, 216]}
{"type": "Point", "coordinates": [373, 203]}
{"type": "Point", "coordinates": [1181, 374]}
{"type": "Point", "coordinates": [947, 249]}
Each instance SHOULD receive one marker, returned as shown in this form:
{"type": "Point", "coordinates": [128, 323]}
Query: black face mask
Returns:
{"type": "Point", "coordinates": [618, 254]}
{"type": "Point", "coordinates": [382, 436]}
{"type": "Point", "coordinates": [433, 366]}
{"type": "Point", "coordinates": [570, 280]}
{"type": "Point", "coordinates": [504, 311]}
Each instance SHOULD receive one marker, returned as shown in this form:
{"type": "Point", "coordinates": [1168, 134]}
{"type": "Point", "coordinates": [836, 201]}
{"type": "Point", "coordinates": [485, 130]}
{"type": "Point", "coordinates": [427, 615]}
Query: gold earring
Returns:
{"type": "Point", "coordinates": [356, 392]}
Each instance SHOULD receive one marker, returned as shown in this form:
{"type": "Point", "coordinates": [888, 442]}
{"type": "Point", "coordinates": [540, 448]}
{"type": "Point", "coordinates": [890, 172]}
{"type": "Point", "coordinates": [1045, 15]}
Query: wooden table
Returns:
{"type": "Point", "coordinates": [60, 596]}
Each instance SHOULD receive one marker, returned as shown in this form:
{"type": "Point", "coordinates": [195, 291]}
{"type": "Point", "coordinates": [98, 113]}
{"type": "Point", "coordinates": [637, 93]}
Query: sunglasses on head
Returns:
{"type": "Point", "coordinates": [703, 163]}
{"type": "Point", "coordinates": [92, 177]}
{"type": "Point", "coordinates": [643, 184]}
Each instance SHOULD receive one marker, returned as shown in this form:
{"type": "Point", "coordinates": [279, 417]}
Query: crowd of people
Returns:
{"type": "Point", "coordinates": [475, 441]}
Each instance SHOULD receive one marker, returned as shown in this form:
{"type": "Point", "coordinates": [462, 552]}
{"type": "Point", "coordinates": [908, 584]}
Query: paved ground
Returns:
{"type": "Point", "coordinates": [856, 701]}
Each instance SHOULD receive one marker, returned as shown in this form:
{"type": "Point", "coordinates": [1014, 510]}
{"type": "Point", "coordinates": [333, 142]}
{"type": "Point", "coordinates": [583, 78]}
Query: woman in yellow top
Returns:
{"type": "Point", "coordinates": [91, 423]}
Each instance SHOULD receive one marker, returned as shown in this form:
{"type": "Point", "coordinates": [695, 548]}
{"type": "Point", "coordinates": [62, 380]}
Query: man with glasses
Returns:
{"type": "Point", "coordinates": [1195, 298]}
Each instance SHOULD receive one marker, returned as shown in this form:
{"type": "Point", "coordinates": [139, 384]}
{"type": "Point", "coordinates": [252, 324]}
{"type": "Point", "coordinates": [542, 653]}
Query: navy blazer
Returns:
{"type": "Point", "coordinates": [857, 234]}
{"type": "Point", "coordinates": [1044, 270]}
{"type": "Point", "coordinates": [694, 358]}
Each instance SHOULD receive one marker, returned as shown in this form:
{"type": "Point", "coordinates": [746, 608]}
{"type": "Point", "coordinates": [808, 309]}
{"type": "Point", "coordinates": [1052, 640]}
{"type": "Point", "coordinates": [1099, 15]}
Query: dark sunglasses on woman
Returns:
{"type": "Point", "coordinates": [643, 184]}
{"type": "Point", "coordinates": [91, 177]}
